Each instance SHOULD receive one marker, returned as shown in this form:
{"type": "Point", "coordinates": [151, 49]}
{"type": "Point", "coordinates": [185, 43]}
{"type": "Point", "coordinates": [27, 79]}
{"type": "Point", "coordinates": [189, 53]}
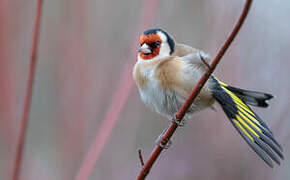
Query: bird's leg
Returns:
{"type": "Point", "coordinates": [163, 143]}
{"type": "Point", "coordinates": [178, 122]}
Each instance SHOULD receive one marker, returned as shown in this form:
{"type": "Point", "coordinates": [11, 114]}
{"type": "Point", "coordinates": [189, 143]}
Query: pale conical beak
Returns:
{"type": "Point", "coordinates": [145, 49]}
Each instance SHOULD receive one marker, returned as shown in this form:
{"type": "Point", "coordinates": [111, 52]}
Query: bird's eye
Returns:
{"type": "Point", "coordinates": [155, 44]}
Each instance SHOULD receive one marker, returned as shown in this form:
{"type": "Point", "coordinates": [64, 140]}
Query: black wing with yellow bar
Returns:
{"type": "Point", "coordinates": [254, 131]}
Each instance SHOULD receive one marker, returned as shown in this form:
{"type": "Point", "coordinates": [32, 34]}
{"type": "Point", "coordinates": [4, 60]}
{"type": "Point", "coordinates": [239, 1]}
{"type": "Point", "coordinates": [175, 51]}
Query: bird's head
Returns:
{"type": "Point", "coordinates": [155, 44]}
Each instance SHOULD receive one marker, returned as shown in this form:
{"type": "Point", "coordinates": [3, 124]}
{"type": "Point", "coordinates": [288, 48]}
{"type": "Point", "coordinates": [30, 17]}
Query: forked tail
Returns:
{"type": "Point", "coordinates": [255, 132]}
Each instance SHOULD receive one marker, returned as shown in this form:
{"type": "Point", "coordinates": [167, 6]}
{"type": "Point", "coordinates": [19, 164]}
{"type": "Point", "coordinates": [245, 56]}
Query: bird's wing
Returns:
{"type": "Point", "coordinates": [191, 55]}
{"type": "Point", "coordinates": [179, 75]}
{"type": "Point", "coordinates": [198, 60]}
{"type": "Point", "coordinates": [255, 132]}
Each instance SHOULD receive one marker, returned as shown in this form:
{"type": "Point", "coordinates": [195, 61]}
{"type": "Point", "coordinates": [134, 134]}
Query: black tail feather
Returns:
{"type": "Point", "coordinates": [253, 98]}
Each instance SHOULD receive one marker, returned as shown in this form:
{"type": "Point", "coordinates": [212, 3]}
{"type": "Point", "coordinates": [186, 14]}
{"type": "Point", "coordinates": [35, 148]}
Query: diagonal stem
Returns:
{"type": "Point", "coordinates": [180, 114]}
{"type": "Point", "coordinates": [27, 100]}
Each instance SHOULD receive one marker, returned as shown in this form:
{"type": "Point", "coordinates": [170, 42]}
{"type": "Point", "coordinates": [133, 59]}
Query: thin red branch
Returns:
{"type": "Point", "coordinates": [27, 100]}
{"type": "Point", "coordinates": [172, 128]}
{"type": "Point", "coordinates": [140, 157]}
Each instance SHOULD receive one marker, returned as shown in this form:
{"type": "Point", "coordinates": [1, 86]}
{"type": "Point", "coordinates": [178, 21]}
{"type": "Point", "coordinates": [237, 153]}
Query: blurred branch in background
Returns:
{"type": "Point", "coordinates": [29, 89]}
{"type": "Point", "coordinates": [118, 100]}
{"type": "Point", "coordinates": [180, 114]}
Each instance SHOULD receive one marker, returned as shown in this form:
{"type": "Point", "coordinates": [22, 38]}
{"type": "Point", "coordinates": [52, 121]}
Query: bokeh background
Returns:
{"type": "Point", "coordinates": [83, 90]}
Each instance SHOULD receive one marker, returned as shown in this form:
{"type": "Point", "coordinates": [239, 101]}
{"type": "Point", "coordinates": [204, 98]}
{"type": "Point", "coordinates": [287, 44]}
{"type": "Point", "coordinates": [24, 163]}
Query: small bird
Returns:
{"type": "Point", "coordinates": [167, 71]}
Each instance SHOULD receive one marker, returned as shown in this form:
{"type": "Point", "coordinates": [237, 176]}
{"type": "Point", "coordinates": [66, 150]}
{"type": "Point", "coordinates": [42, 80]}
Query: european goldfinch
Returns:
{"type": "Point", "coordinates": [167, 71]}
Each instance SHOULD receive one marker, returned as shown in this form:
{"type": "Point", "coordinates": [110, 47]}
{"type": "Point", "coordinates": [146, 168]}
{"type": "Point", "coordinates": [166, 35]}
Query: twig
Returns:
{"type": "Point", "coordinates": [204, 61]}
{"type": "Point", "coordinates": [141, 157]}
{"type": "Point", "coordinates": [171, 129]}
{"type": "Point", "coordinates": [27, 101]}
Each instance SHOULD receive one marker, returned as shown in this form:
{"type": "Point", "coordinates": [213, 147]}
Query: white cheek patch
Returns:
{"type": "Point", "coordinates": [165, 49]}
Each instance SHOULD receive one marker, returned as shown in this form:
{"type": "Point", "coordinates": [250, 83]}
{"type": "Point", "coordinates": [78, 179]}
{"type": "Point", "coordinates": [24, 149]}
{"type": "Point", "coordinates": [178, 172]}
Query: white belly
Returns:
{"type": "Point", "coordinates": [162, 101]}
{"type": "Point", "coordinates": [165, 102]}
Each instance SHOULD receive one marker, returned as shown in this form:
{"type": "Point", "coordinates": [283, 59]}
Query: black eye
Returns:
{"type": "Point", "coordinates": [157, 43]}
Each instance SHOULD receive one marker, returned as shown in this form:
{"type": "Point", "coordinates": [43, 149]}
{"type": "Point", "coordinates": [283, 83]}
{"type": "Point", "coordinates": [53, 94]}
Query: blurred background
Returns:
{"type": "Point", "coordinates": [83, 90]}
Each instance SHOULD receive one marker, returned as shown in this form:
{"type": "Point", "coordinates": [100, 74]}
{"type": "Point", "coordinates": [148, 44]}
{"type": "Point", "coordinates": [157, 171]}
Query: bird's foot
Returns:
{"type": "Point", "coordinates": [163, 143]}
{"type": "Point", "coordinates": [178, 122]}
